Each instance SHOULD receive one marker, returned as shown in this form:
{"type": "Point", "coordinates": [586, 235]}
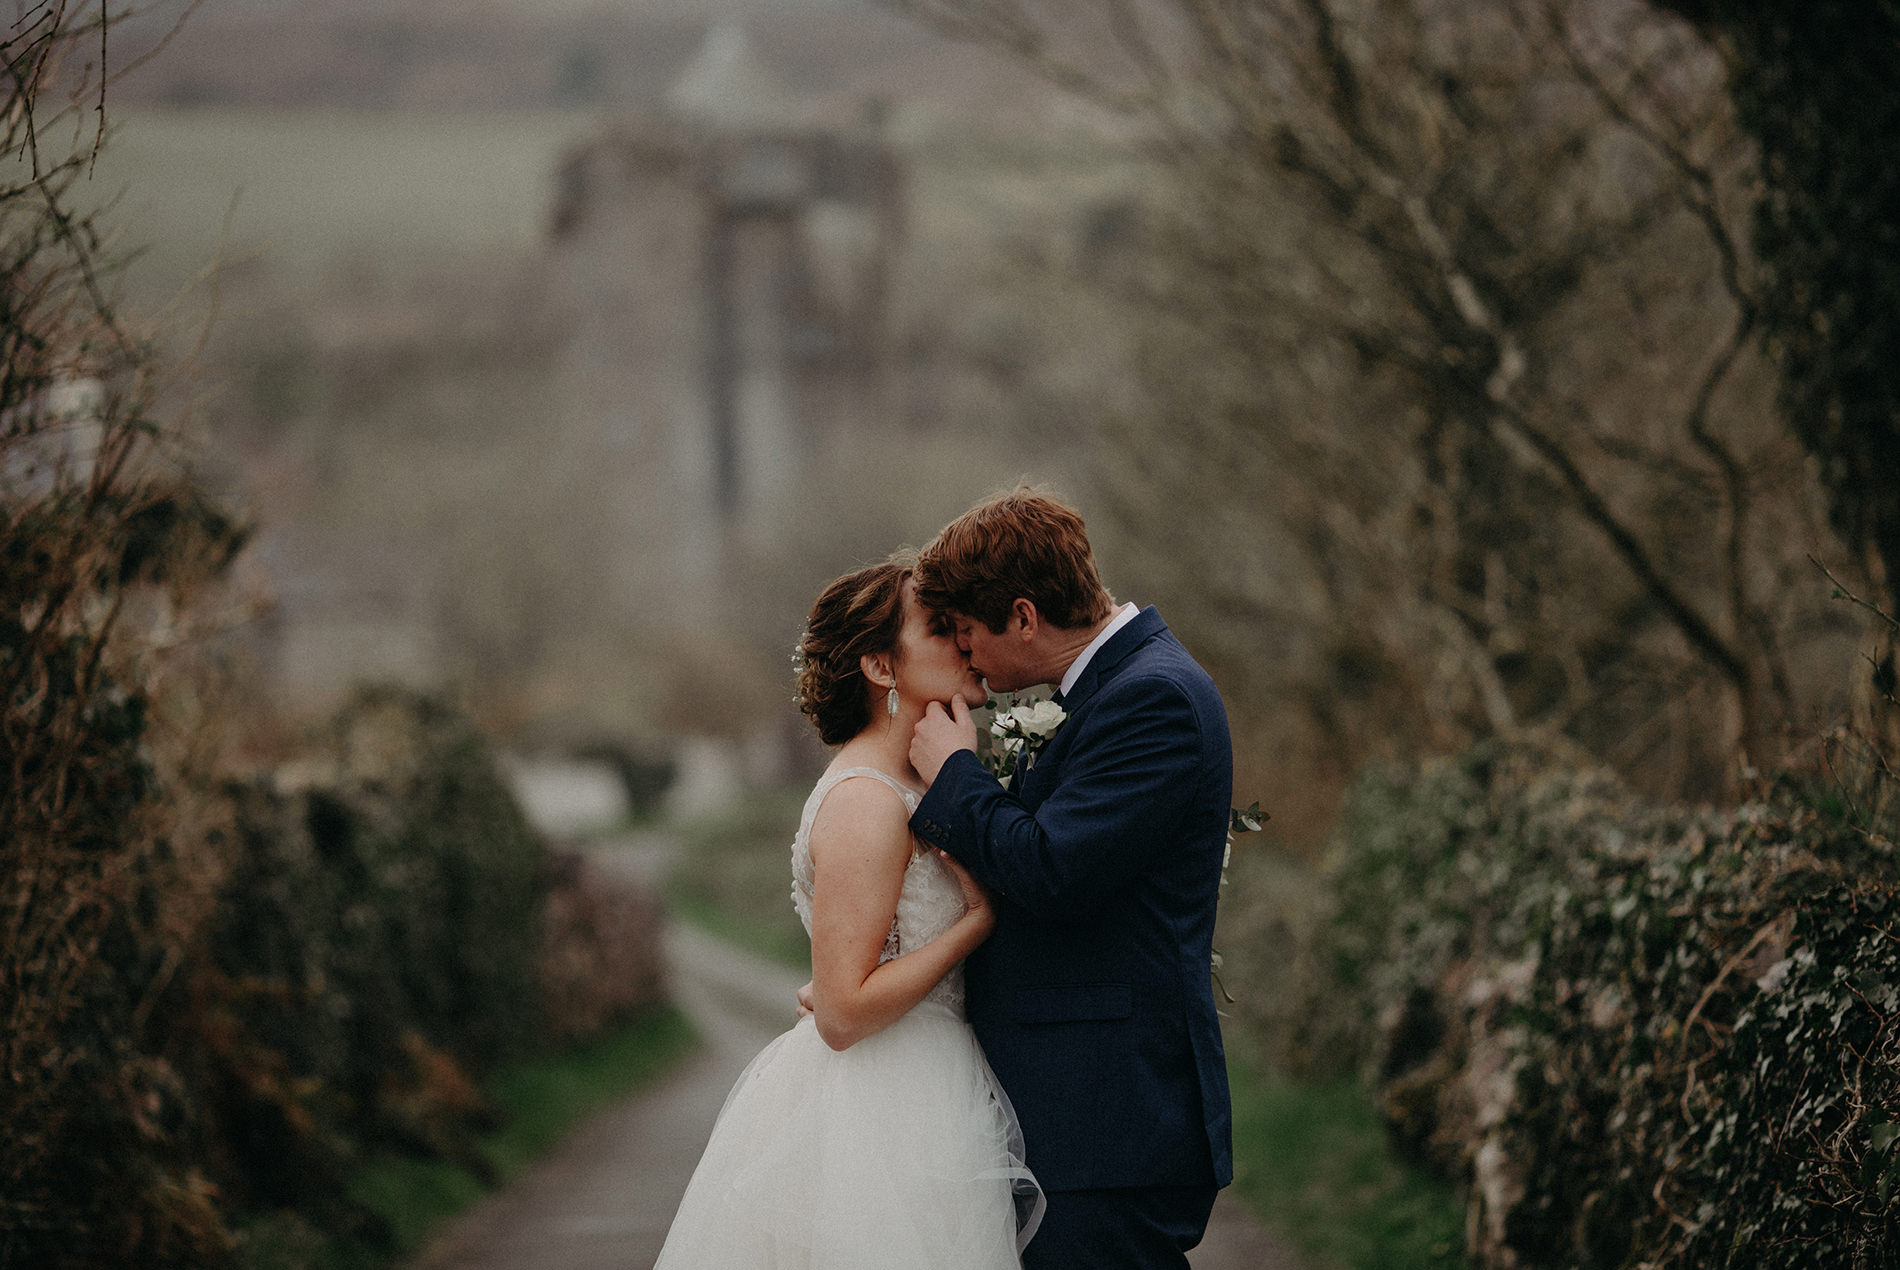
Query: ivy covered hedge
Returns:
{"type": "Point", "coordinates": [375, 945]}
{"type": "Point", "coordinates": [105, 873]}
{"type": "Point", "coordinates": [372, 930]}
{"type": "Point", "coordinates": [1640, 1038]}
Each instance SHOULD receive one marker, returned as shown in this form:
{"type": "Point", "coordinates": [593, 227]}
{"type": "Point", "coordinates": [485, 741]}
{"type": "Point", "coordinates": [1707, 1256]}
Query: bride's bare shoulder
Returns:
{"type": "Point", "coordinates": [858, 814]}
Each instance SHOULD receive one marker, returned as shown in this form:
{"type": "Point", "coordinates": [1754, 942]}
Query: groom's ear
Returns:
{"type": "Point", "coordinates": [1024, 611]}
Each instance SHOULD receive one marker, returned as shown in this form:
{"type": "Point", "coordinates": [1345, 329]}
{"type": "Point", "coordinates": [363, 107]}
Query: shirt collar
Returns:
{"type": "Point", "coordinates": [1123, 616]}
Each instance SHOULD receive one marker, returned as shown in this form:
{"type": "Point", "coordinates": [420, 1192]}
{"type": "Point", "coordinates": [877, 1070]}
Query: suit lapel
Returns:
{"type": "Point", "coordinates": [1035, 784]}
{"type": "Point", "coordinates": [1143, 627]}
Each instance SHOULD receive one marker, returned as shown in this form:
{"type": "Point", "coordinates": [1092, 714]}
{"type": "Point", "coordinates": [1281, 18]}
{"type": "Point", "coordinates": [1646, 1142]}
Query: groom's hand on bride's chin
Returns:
{"type": "Point", "coordinates": [939, 734]}
{"type": "Point", "coordinates": [805, 1009]}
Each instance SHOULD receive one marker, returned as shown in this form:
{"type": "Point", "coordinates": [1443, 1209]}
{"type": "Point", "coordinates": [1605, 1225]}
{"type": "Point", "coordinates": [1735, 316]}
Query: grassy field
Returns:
{"type": "Point", "coordinates": [310, 193]}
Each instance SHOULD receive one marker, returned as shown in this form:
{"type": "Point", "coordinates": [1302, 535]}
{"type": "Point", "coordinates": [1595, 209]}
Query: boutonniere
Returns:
{"type": "Point", "coordinates": [1018, 733]}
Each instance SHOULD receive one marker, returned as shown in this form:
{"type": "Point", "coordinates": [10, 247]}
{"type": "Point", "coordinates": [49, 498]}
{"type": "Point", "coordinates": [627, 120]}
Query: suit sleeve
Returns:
{"type": "Point", "coordinates": [1125, 783]}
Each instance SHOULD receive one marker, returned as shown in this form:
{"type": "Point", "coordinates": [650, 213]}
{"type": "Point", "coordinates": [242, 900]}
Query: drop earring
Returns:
{"type": "Point", "coordinates": [890, 703]}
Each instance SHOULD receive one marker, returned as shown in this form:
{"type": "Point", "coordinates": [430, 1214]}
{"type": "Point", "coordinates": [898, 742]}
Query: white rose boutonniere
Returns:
{"type": "Point", "coordinates": [1038, 720]}
{"type": "Point", "coordinates": [1018, 733]}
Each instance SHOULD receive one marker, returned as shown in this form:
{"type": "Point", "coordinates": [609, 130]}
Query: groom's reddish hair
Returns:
{"type": "Point", "coordinates": [1025, 543]}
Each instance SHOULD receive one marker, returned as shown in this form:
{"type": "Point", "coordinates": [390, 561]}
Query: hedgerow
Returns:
{"type": "Point", "coordinates": [1639, 1037]}
{"type": "Point", "coordinates": [109, 554]}
{"type": "Point", "coordinates": [218, 993]}
{"type": "Point", "coordinates": [375, 949]}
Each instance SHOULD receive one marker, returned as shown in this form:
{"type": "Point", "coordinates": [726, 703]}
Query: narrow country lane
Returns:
{"type": "Point", "coordinates": [604, 1197]}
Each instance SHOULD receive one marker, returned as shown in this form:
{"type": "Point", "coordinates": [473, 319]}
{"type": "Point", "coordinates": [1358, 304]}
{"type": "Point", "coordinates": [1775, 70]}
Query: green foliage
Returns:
{"type": "Point", "coordinates": [378, 940]}
{"type": "Point", "coordinates": [289, 1038]}
{"type": "Point", "coordinates": [734, 875]}
{"type": "Point", "coordinates": [1312, 1159]}
{"type": "Point", "coordinates": [1636, 1037]}
{"type": "Point", "coordinates": [541, 1099]}
{"type": "Point", "coordinates": [1430, 873]}
{"type": "Point", "coordinates": [414, 1195]}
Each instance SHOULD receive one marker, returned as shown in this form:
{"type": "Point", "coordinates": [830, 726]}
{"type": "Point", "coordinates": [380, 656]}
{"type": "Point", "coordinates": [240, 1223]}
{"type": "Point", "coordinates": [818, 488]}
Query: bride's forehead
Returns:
{"type": "Point", "coordinates": [914, 607]}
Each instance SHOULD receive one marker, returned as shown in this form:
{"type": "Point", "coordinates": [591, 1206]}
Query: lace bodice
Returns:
{"type": "Point", "coordinates": [929, 903]}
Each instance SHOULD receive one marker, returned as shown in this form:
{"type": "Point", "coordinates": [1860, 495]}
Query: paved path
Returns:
{"type": "Point", "coordinates": [605, 1196]}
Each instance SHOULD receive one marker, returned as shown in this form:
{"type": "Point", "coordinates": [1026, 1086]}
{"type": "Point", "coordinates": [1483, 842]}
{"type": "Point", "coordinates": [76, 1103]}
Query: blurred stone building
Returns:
{"type": "Point", "coordinates": [729, 264]}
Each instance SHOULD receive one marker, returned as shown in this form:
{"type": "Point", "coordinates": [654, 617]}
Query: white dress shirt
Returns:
{"type": "Point", "coordinates": [1123, 616]}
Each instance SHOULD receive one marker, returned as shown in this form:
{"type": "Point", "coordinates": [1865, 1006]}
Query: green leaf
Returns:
{"type": "Point", "coordinates": [1247, 819]}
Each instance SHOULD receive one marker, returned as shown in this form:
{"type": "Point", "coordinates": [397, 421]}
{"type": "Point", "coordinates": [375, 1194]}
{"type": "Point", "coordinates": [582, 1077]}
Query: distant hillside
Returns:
{"type": "Point", "coordinates": [536, 54]}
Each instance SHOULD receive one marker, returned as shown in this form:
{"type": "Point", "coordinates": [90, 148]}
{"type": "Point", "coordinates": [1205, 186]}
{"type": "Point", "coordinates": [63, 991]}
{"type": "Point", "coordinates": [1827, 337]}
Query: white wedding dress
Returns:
{"type": "Point", "coordinates": [899, 1153]}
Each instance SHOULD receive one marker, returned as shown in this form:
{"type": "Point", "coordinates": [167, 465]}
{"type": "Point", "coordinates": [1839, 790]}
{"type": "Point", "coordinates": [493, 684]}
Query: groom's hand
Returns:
{"type": "Point", "coordinates": [939, 734]}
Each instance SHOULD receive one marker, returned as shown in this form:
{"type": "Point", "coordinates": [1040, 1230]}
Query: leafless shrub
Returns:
{"type": "Point", "coordinates": [108, 553]}
{"type": "Point", "coordinates": [1451, 422]}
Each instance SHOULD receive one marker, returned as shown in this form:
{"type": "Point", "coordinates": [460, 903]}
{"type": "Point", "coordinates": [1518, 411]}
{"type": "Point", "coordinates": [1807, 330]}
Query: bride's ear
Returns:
{"type": "Point", "coordinates": [876, 667]}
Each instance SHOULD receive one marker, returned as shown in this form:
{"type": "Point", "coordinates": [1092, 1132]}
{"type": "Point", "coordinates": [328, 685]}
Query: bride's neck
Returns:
{"type": "Point", "coordinates": [885, 743]}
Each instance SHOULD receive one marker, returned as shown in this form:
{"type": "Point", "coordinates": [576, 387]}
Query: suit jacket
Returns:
{"type": "Point", "coordinates": [1092, 998]}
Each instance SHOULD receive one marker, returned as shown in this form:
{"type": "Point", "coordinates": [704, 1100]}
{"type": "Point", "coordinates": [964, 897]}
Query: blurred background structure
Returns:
{"type": "Point", "coordinates": [566, 352]}
{"type": "Point", "coordinates": [563, 354]}
{"type": "Point", "coordinates": [1497, 396]}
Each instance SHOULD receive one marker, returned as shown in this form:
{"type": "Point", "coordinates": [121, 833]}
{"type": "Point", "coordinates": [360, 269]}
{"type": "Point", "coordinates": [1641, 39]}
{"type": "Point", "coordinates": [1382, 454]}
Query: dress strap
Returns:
{"type": "Point", "coordinates": [910, 797]}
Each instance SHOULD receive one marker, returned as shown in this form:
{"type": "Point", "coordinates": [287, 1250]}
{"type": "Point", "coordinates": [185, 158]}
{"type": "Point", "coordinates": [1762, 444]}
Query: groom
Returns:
{"type": "Point", "coordinates": [1092, 999]}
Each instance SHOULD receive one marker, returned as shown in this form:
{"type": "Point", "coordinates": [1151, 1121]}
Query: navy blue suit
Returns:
{"type": "Point", "coordinates": [1092, 997]}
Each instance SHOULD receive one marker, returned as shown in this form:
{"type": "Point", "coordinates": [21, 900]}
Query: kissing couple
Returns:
{"type": "Point", "coordinates": [1008, 1053]}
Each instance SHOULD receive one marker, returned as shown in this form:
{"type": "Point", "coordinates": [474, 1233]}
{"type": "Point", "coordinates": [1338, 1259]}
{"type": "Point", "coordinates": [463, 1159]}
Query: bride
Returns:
{"type": "Point", "coordinates": [873, 1133]}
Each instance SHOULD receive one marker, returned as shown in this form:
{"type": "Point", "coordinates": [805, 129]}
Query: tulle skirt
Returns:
{"type": "Point", "coordinates": [900, 1153]}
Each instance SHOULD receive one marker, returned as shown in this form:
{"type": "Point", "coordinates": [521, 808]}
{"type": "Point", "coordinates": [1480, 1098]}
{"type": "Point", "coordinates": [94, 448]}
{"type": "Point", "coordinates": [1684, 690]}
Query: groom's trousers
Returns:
{"type": "Point", "coordinates": [1140, 1228]}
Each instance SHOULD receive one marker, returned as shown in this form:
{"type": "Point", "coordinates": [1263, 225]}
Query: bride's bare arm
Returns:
{"type": "Point", "coordinates": [860, 844]}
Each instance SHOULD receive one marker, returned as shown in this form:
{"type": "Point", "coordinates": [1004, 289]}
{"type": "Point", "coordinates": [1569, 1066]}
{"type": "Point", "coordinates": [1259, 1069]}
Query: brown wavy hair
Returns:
{"type": "Point", "coordinates": [862, 612]}
{"type": "Point", "coordinates": [1025, 543]}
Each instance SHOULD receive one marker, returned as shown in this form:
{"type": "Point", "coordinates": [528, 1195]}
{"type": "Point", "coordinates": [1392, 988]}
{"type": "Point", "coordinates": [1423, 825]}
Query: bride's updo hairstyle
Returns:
{"type": "Point", "coordinates": [860, 613]}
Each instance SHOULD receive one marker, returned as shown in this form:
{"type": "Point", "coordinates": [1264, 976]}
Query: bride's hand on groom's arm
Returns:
{"type": "Point", "coordinates": [939, 734]}
{"type": "Point", "coordinates": [977, 899]}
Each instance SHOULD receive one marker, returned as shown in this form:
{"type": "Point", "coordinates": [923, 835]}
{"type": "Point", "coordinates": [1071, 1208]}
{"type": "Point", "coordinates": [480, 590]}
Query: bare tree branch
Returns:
{"type": "Point", "coordinates": [1847, 594]}
{"type": "Point", "coordinates": [1008, 28]}
{"type": "Point", "coordinates": [1701, 195]}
